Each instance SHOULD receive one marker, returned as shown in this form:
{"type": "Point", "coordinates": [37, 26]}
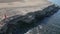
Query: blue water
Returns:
{"type": "Point", "coordinates": [52, 25]}
{"type": "Point", "coordinates": [55, 2]}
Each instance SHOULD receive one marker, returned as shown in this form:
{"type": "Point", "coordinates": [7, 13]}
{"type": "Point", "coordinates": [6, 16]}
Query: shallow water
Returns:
{"type": "Point", "coordinates": [52, 23]}
{"type": "Point", "coordinates": [55, 2]}
{"type": "Point", "coordinates": [49, 25]}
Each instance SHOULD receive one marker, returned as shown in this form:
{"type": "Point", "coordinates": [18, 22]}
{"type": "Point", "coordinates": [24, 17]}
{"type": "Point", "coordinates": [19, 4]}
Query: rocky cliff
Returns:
{"type": "Point", "coordinates": [20, 24]}
{"type": "Point", "coordinates": [24, 15]}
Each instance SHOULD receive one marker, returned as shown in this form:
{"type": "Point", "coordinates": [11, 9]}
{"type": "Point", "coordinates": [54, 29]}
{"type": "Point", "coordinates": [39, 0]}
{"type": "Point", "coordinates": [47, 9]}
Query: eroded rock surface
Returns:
{"type": "Point", "coordinates": [23, 16]}
{"type": "Point", "coordinates": [20, 24]}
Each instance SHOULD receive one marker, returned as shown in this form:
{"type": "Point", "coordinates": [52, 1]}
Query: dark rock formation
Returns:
{"type": "Point", "coordinates": [19, 24]}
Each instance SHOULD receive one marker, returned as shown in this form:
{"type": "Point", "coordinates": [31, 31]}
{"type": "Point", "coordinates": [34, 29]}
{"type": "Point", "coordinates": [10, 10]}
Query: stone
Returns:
{"type": "Point", "coordinates": [22, 16]}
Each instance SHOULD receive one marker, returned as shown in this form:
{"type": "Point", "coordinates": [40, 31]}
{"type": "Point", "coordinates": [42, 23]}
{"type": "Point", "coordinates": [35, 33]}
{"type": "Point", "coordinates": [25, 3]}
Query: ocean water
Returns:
{"type": "Point", "coordinates": [50, 25]}
{"type": "Point", "coordinates": [55, 2]}
{"type": "Point", "coordinates": [53, 22]}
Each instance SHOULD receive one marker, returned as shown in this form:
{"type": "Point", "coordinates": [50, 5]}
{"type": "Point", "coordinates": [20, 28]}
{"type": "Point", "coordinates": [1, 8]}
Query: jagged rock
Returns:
{"type": "Point", "coordinates": [27, 21]}
{"type": "Point", "coordinates": [22, 18]}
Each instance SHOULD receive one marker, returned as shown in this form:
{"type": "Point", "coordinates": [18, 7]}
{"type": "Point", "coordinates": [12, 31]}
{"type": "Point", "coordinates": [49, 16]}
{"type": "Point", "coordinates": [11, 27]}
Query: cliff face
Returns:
{"type": "Point", "coordinates": [20, 7]}
{"type": "Point", "coordinates": [22, 16]}
{"type": "Point", "coordinates": [20, 24]}
{"type": "Point", "coordinates": [17, 7]}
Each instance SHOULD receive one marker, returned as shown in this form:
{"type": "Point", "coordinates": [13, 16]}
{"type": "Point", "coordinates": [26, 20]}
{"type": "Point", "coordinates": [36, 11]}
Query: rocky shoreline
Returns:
{"type": "Point", "coordinates": [26, 22]}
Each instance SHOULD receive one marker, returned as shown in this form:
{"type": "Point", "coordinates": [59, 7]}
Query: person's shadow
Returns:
{"type": "Point", "coordinates": [17, 25]}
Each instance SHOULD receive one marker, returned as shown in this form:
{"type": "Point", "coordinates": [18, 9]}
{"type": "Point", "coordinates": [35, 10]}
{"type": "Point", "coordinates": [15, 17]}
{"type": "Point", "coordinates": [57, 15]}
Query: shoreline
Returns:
{"type": "Point", "coordinates": [30, 18]}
